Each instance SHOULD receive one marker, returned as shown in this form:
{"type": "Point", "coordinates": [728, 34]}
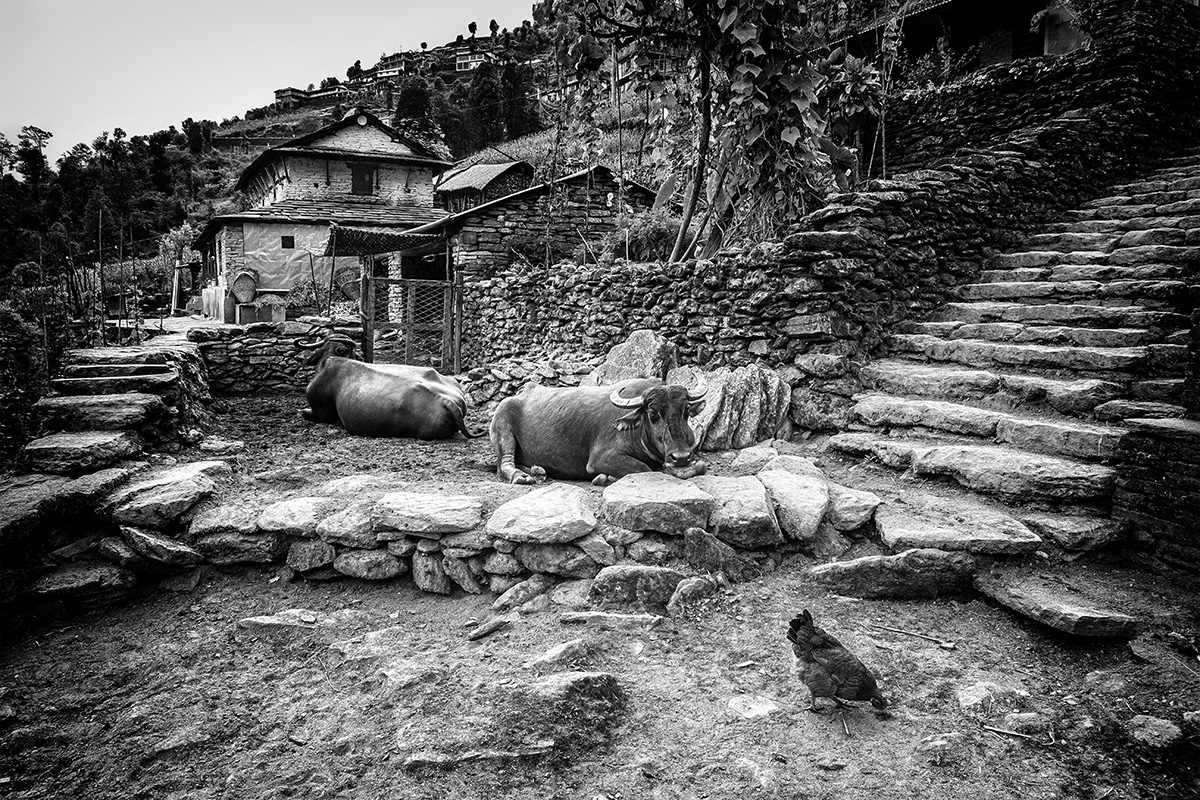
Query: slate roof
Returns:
{"type": "Point", "coordinates": [348, 241]}
{"type": "Point", "coordinates": [359, 211]}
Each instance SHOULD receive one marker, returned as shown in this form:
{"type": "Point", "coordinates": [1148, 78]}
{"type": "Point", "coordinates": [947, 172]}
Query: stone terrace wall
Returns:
{"type": "Point", "coordinates": [263, 357]}
{"type": "Point", "coordinates": [1135, 48]}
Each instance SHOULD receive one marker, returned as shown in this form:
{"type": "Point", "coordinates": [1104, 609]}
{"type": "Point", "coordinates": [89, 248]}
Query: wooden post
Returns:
{"type": "Point", "coordinates": [367, 309]}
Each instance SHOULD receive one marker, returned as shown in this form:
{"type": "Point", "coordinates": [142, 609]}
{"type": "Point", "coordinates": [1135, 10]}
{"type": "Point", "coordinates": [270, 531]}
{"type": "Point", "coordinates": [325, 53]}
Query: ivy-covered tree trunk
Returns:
{"type": "Point", "coordinates": [693, 198]}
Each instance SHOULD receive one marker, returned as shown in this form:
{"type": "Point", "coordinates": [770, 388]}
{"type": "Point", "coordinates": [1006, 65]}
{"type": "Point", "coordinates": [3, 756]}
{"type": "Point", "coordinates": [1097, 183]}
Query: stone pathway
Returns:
{"type": "Point", "coordinates": [1021, 390]}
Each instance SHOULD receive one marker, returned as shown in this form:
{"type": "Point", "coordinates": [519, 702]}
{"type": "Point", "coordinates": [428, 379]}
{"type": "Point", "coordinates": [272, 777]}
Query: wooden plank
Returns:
{"type": "Point", "coordinates": [367, 311]}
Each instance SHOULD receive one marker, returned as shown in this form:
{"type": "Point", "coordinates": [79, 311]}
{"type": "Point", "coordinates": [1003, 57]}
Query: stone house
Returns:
{"type": "Point", "coordinates": [561, 215]}
{"type": "Point", "coordinates": [463, 188]}
{"type": "Point", "coordinates": [358, 171]}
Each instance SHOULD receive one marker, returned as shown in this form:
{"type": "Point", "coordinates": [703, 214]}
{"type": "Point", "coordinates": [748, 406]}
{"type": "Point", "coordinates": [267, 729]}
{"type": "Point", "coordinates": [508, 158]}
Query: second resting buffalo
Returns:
{"type": "Point", "coordinates": [600, 433]}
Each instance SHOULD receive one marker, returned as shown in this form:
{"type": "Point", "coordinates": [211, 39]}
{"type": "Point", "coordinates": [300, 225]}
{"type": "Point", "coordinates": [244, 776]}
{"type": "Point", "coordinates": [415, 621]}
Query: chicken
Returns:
{"type": "Point", "coordinates": [828, 668]}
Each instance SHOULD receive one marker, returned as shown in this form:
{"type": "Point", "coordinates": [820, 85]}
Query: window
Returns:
{"type": "Point", "coordinates": [287, 242]}
{"type": "Point", "coordinates": [362, 179]}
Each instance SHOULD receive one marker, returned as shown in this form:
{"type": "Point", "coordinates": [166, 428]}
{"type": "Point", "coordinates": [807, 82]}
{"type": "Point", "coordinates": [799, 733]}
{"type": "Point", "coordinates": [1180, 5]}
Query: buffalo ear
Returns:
{"type": "Point", "coordinates": [629, 421]}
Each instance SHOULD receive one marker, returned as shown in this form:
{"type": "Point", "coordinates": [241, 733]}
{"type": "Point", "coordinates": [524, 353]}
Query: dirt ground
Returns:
{"type": "Point", "coordinates": [166, 697]}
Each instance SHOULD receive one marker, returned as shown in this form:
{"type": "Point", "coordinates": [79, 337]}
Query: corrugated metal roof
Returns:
{"type": "Point", "coordinates": [478, 176]}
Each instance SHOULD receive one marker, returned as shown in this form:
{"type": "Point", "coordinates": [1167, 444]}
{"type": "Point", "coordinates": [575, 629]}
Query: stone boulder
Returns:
{"type": "Point", "coordinates": [159, 549]}
{"type": "Point", "coordinates": [652, 501]}
{"type": "Point", "coordinates": [744, 516]}
{"type": "Point", "coordinates": [417, 513]}
{"type": "Point", "coordinates": [801, 501]}
{"type": "Point", "coordinates": [566, 560]}
{"type": "Point", "coordinates": [742, 407]}
{"type": "Point", "coordinates": [552, 514]}
{"type": "Point", "coordinates": [1067, 608]}
{"type": "Point", "coordinates": [920, 521]}
{"type": "Point", "coordinates": [227, 518]}
{"type": "Point", "coordinates": [310, 554]}
{"type": "Point", "coordinates": [87, 584]}
{"type": "Point", "coordinates": [645, 354]}
{"type": "Point", "coordinates": [850, 509]}
{"type": "Point", "coordinates": [429, 575]}
{"type": "Point", "coordinates": [752, 459]}
{"type": "Point", "coordinates": [372, 565]}
{"type": "Point", "coordinates": [625, 587]}
{"type": "Point", "coordinates": [231, 547]}
{"type": "Point", "coordinates": [523, 592]}
{"type": "Point", "coordinates": [911, 574]}
{"type": "Point", "coordinates": [706, 553]}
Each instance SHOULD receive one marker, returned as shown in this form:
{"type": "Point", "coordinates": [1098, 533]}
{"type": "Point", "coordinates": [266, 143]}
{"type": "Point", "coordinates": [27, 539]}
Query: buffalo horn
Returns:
{"type": "Point", "coordinates": [310, 344]}
{"type": "Point", "coordinates": [617, 399]}
{"type": "Point", "coordinates": [699, 390]}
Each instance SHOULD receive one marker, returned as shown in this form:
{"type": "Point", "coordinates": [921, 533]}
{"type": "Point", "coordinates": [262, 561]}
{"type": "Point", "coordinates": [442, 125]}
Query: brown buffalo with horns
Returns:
{"type": "Point", "coordinates": [600, 433]}
{"type": "Point", "coordinates": [387, 400]}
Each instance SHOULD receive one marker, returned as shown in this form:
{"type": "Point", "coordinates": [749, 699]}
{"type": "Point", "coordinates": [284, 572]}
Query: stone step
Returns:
{"type": "Point", "coordinates": [150, 384]}
{"type": "Point", "coordinates": [85, 451]}
{"type": "Point", "coordinates": [99, 412]}
{"type": "Point", "coordinates": [116, 355]}
{"type": "Point", "coordinates": [923, 520]}
{"type": "Point", "coordinates": [1156, 199]}
{"type": "Point", "coordinates": [1064, 602]}
{"type": "Point", "coordinates": [1118, 410]}
{"type": "Point", "coordinates": [1075, 315]}
{"type": "Point", "coordinates": [112, 370]}
{"type": "Point", "coordinates": [1146, 361]}
{"type": "Point", "coordinates": [1153, 294]}
{"type": "Point", "coordinates": [1171, 184]}
{"type": "Point", "coordinates": [1115, 211]}
{"type": "Point", "coordinates": [1041, 434]}
{"type": "Point", "coordinates": [1039, 334]}
{"type": "Point", "coordinates": [1086, 272]}
{"type": "Point", "coordinates": [914, 379]}
{"type": "Point", "coordinates": [1043, 258]}
{"type": "Point", "coordinates": [1092, 224]}
{"type": "Point", "coordinates": [996, 470]}
{"type": "Point", "coordinates": [1073, 242]}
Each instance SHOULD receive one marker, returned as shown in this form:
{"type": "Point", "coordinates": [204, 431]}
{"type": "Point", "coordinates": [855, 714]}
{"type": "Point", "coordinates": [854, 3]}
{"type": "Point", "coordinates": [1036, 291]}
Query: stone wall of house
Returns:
{"type": "Point", "coordinates": [263, 357]}
{"type": "Point", "coordinates": [232, 249]}
{"type": "Point", "coordinates": [1131, 69]}
{"type": "Point", "coordinates": [408, 185]}
{"type": "Point", "coordinates": [488, 240]}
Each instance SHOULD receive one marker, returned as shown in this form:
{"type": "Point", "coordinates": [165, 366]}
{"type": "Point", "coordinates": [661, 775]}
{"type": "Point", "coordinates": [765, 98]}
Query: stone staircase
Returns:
{"type": "Point", "coordinates": [113, 403]}
{"type": "Point", "coordinates": [1019, 391]}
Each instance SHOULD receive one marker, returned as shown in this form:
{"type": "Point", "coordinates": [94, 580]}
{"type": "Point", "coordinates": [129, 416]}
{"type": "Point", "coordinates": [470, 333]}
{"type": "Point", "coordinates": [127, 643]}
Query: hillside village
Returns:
{"type": "Point", "coordinates": [889, 312]}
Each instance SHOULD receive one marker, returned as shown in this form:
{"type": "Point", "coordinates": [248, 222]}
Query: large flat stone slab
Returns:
{"type": "Point", "coordinates": [552, 514]}
{"type": "Point", "coordinates": [652, 501]}
{"type": "Point", "coordinates": [1054, 603]}
{"type": "Point", "coordinates": [85, 451]}
{"type": "Point", "coordinates": [928, 521]}
{"type": "Point", "coordinates": [436, 514]}
{"type": "Point", "coordinates": [1016, 474]}
{"type": "Point", "coordinates": [800, 501]}
{"type": "Point", "coordinates": [886, 411]}
{"type": "Point", "coordinates": [913, 573]}
{"type": "Point", "coordinates": [160, 499]}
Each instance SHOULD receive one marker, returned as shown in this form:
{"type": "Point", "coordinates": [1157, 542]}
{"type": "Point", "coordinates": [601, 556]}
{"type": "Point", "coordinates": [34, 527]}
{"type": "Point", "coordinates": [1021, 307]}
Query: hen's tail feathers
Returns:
{"type": "Point", "coordinates": [802, 621]}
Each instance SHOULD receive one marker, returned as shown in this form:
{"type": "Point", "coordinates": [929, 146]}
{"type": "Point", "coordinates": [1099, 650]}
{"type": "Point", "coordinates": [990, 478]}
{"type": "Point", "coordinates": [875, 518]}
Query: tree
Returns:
{"type": "Point", "coordinates": [354, 70]}
{"type": "Point", "coordinates": [520, 106]}
{"type": "Point", "coordinates": [472, 27]}
{"type": "Point", "coordinates": [749, 89]}
{"type": "Point", "coordinates": [330, 81]}
{"type": "Point", "coordinates": [486, 106]}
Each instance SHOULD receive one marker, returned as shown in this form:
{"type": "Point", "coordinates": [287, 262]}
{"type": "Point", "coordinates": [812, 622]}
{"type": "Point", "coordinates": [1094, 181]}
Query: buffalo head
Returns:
{"type": "Point", "coordinates": [335, 345]}
{"type": "Point", "coordinates": [662, 414]}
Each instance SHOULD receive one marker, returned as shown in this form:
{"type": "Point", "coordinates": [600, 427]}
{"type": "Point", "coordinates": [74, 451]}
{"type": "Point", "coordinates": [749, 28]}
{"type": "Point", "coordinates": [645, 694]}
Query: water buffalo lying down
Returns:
{"type": "Point", "coordinates": [601, 432]}
{"type": "Point", "coordinates": [392, 400]}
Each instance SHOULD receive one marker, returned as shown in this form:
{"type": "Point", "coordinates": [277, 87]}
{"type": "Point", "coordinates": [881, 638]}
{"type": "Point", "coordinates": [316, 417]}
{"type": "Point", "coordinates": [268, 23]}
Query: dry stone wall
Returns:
{"type": "Point", "coordinates": [263, 357]}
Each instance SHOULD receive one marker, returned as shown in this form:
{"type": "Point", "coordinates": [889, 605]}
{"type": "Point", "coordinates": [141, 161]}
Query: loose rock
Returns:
{"type": "Point", "coordinates": [552, 514]}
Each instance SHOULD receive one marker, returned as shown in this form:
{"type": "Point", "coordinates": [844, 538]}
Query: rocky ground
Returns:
{"type": "Point", "coordinates": [374, 689]}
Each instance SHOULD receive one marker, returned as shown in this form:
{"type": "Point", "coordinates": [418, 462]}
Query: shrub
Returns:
{"type": "Point", "coordinates": [641, 236]}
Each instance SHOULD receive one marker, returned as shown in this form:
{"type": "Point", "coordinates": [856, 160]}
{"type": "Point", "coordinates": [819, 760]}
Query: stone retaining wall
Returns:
{"type": "Point", "coordinates": [263, 357]}
{"type": "Point", "coordinates": [1158, 488]}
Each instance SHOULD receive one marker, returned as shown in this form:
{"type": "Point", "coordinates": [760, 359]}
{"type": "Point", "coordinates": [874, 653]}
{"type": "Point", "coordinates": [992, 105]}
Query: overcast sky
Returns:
{"type": "Point", "coordinates": [77, 68]}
